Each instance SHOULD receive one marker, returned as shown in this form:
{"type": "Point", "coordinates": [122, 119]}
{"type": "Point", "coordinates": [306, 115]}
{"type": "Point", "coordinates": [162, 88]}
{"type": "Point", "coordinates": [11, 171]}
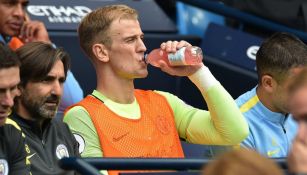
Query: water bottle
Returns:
{"type": "Point", "coordinates": [191, 55]}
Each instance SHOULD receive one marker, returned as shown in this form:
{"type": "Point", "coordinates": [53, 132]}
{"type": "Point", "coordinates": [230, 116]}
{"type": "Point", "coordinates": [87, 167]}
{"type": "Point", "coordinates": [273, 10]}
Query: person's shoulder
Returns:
{"type": "Point", "coordinates": [58, 123]}
{"type": "Point", "coordinates": [164, 93]}
{"type": "Point", "coordinates": [149, 93]}
{"type": "Point", "coordinates": [59, 127]}
{"type": "Point", "coordinates": [11, 123]}
{"type": "Point", "coordinates": [10, 130]}
{"type": "Point", "coordinates": [75, 109]}
{"type": "Point", "coordinates": [246, 96]}
{"type": "Point", "coordinates": [62, 133]}
{"type": "Point", "coordinates": [247, 101]}
{"type": "Point", "coordinates": [75, 113]}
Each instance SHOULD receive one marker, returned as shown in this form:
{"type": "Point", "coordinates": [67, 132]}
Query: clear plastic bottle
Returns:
{"type": "Point", "coordinates": [191, 55]}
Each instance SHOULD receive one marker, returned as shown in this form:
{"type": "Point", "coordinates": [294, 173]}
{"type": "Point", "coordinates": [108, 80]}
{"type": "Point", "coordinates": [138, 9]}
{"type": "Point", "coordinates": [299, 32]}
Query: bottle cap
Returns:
{"type": "Point", "coordinates": [145, 58]}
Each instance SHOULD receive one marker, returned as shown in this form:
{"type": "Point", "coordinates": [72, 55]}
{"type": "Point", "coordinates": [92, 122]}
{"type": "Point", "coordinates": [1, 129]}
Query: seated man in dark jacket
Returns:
{"type": "Point", "coordinates": [12, 143]}
{"type": "Point", "coordinates": [43, 72]}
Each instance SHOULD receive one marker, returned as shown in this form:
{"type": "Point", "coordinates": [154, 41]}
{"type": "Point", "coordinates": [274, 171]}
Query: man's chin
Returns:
{"type": "Point", "coordinates": [143, 74]}
{"type": "Point", "coordinates": [140, 77]}
{"type": "Point", "coordinates": [49, 113]}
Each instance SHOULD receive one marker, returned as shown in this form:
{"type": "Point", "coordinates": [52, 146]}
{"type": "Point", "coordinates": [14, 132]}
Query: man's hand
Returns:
{"type": "Point", "coordinates": [34, 31]}
{"type": "Point", "coordinates": [172, 47]}
{"type": "Point", "coordinates": [297, 158]}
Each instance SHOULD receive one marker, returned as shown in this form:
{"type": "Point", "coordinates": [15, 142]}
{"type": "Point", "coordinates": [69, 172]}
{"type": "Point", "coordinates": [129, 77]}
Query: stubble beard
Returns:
{"type": "Point", "coordinates": [37, 107]}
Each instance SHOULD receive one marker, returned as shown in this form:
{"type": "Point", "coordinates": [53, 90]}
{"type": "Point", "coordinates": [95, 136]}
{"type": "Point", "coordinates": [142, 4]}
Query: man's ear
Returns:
{"type": "Point", "coordinates": [268, 83]}
{"type": "Point", "coordinates": [101, 53]}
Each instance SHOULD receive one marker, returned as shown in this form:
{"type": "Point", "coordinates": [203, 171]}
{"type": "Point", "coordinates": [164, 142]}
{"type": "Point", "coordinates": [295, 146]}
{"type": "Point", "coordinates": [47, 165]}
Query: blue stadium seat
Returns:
{"type": "Point", "coordinates": [193, 20]}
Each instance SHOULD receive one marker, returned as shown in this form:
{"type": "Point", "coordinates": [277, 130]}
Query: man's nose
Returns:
{"type": "Point", "coordinates": [19, 11]}
{"type": "Point", "coordinates": [7, 99]}
{"type": "Point", "coordinates": [142, 46]}
{"type": "Point", "coordinates": [57, 88]}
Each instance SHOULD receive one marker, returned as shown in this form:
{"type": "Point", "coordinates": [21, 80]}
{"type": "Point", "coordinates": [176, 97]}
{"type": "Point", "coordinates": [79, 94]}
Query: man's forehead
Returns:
{"type": "Point", "coordinates": [125, 28]}
{"type": "Point", "coordinates": [121, 35]}
{"type": "Point", "coordinates": [9, 77]}
{"type": "Point", "coordinates": [57, 69]}
{"type": "Point", "coordinates": [120, 23]}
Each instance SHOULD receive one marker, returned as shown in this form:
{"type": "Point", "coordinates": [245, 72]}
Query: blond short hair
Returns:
{"type": "Point", "coordinates": [94, 27]}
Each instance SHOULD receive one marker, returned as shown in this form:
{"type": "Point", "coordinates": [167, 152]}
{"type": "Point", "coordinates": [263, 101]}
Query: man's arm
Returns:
{"type": "Point", "coordinates": [84, 131]}
{"type": "Point", "coordinates": [297, 158]}
{"type": "Point", "coordinates": [223, 124]}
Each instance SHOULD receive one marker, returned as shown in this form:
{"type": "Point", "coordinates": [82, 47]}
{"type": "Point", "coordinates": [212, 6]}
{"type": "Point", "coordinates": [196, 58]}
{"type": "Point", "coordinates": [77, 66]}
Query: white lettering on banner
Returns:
{"type": "Point", "coordinates": [60, 14]}
{"type": "Point", "coordinates": [57, 19]}
{"type": "Point", "coordinates": [252, 51]}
